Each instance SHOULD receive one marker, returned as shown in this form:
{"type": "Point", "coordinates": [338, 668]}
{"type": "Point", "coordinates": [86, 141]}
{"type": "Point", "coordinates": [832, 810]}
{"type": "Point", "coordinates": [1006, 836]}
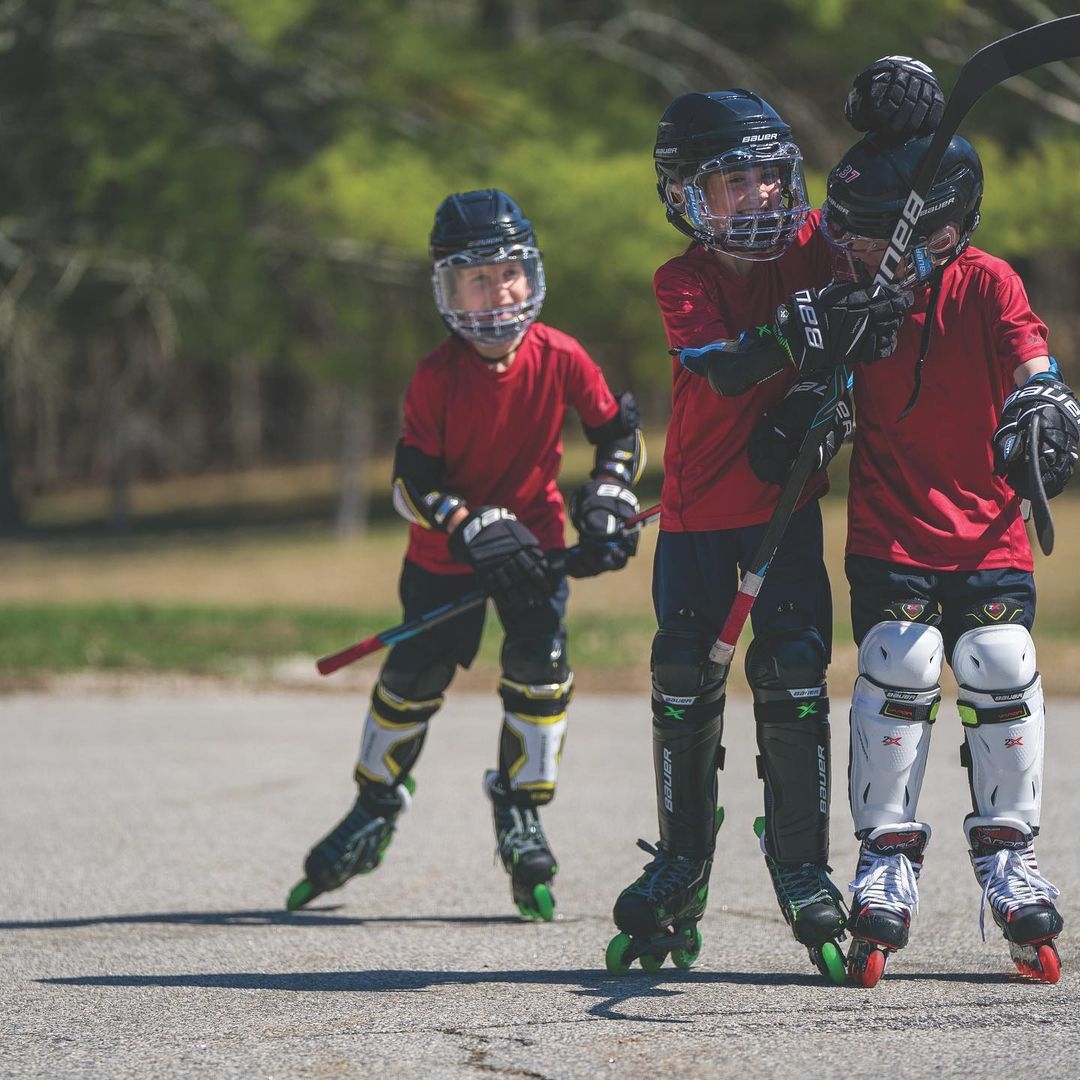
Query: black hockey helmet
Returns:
{"type": "Point", "coordinates": [485, 228]}
{"type": "Point", "coordinates": [729, 132]}
{"type": "Point", "coordinates": [868, 188]}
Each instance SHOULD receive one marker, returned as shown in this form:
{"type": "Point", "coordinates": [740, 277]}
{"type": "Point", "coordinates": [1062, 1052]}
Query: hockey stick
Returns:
{"type": "Point", "coordinates": [1045, 43]}
{"type": "Point", "coordinates": [422, 623]}
{"type": "Point", "coordinates": [1040, 505]}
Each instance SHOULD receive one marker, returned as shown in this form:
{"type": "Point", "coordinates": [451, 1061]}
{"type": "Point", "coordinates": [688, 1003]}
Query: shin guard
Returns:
{"type": "Point", "coordinates": [1001, 706]}
{"type": "Point", "coordinates": [531, 739]}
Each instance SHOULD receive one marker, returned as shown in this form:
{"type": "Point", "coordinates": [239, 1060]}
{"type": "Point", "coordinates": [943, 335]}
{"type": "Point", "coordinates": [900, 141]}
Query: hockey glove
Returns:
{"type": "Point", "coordinates": [842, 324]}
{"type": "Point", "coordinates": [505, 556]}
{"type": "Point", "coordinates": [775, 441]}
{"type": "Point", "coordinates": [896, 97]}
{"type": "Point", "coordinates": [1059, 430]}
{"type": "Point", "coordinates": [598, 510]}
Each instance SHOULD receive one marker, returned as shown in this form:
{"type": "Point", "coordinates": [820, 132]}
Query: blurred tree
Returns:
{"type": "Point", "coordinates": [211, 206]}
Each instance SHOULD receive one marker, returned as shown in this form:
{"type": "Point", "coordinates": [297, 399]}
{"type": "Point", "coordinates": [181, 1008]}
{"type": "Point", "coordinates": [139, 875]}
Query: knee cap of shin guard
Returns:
{"type": "Point", "coordinates": [902, 654]}
{"type": "Point", "coordinates": [538, 659]}
{"type": "Point", "coordinates": [680, 658]}
{"type": "Point", "coordinates": [994, 657]}
{"type": "Point", "coordinates": [786, 660]}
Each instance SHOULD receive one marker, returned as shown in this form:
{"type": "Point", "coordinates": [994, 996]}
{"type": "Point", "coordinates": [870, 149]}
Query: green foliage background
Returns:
{"type": "Point", "coordinates": [218, 209]}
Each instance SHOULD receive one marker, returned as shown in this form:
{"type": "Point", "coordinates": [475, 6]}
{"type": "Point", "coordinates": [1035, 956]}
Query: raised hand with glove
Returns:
{"type": "Point", "coordinates": [896, 97]}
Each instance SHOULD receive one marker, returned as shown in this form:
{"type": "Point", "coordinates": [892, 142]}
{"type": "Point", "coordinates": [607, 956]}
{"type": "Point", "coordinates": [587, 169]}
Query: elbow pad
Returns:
{"type": "Point", "coordinates": [620, 446]}
{"type": "Point", "coordinates": [418, 480]}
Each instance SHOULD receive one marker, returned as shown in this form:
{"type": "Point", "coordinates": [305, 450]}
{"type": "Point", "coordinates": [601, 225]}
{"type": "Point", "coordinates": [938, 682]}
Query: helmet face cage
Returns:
{"type": "Point", "coordinates": [492, 326]}
{"type": "Point", "coordinates": [708, 200]}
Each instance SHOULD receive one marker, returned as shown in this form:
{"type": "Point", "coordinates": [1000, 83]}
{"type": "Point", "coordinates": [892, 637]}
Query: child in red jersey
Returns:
{"type": "Point", "coordinates": [730, 178]}
{"type": "Point", "coordinates": [938, 558]}
{"type": "Point", "coordinates": [475, 476]}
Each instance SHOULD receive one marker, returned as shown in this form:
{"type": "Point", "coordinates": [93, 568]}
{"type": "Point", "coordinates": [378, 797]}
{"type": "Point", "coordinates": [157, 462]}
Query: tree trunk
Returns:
{"type": "Point", "coordinates": [357, 443]}
{"type": "Point", "coordinates": [245, 412]}
{"type": "Point", "coordinates": [11, 519]}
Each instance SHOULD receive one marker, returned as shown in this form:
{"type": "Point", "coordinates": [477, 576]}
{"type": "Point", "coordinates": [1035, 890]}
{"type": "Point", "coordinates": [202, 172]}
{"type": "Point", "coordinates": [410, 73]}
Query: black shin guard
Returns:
{"type": "Point", "coordinates": [688, 722]}
{"type": "Point", "coordinates": [686, 756]}
{"type": "Point", "coordinates": [791, 706]}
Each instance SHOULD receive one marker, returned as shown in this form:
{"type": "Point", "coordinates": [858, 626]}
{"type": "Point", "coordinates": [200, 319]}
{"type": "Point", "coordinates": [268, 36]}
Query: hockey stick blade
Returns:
{"type": "Point", "coordinates": [1040, 505]}
{"type": "Point", "coordinates": [1046, 43]}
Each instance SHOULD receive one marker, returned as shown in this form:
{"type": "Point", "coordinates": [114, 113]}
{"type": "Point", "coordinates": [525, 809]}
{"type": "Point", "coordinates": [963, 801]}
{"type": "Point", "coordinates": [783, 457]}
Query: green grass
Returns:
{"type": "Point", "coordinates": [225, 641]}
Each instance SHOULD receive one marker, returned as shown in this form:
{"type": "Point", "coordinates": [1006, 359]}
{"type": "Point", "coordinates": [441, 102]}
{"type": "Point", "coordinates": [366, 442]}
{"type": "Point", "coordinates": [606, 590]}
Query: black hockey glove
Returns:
{"type": "Point", "coordinates": [598, 510]}
{"type": "Point", "coordinates": [1059, 431]}
{"type": "Point", "coordinates": [505, 556]}
{"type": "Point", "coordinates": [777, 436]}
{"type": "Point", "coordinates": [842, 324]}
{"type": "Point", "coordinates": [896, 97]}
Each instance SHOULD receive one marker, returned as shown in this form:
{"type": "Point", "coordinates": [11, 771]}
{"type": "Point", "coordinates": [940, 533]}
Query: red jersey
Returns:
{"type": "Point", "coordinates": [499, 432]}
{"type": "Point", "coordinates": [708, 482]}
{"type": "Point", "coordinates": [922, 489]}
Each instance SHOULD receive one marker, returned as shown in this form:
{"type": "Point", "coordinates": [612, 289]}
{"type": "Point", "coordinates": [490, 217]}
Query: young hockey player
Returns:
{"type": "Point", "coordinates": [730, 178]}
{"type": "Point", "coordinates": [938, 558]}
{"type": "Point", "coordinates": [474, 475]}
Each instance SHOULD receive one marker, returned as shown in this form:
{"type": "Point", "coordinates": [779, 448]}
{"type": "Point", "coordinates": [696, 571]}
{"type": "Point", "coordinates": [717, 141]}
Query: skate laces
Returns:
{"type": "Point", "coordinates": [1011, 880]}
{"type": "Point", "coordinates": [666, 874]}
{"type": "Point", "coordinates": [520, 832]}
{"type": "Point", "coordinates": [802, 885]}
{"type": "Point", "coordinates": [886, 881]}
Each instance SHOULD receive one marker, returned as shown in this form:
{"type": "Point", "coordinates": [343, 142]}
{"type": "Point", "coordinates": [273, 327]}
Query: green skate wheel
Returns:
{"type": "Point", "coordinates": [833, 960]}
{"type": "Point", "coordinates": [543, 906]}
{"type": "Point", "coordinates": [651, 963]}
{"type": "Point", "coordinates": [301, 894]}
{"type": "Point", "coordinates": [615, 957]}
{"type": "Point", "coordinates": [687, 958]}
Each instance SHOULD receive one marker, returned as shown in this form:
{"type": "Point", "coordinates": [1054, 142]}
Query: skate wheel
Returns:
{"type": "Point", "coordinates": [301, 894]}
{"type": "Point", "coordinates": [615, 957]}
{"type": "Point", "coordinates": [688, 957]}
{"type": "Point", "coordinates": [867, 971]}
{"type": "Point", "coordinates": [542, 907]}
{"type": "Point", "coordinates": [651, 963]}
{"type": "Point", "coordinates": [1047, 965]}
{"type": "Point", "coordinates": [832, 963]}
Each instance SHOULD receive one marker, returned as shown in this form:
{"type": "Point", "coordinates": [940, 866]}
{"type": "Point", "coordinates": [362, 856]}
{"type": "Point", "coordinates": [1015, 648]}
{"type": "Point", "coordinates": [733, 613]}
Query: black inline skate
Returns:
{"type": "Point", "coordinates": [658, 914]}
{"type": "Point", "coordinates": [886, 895]}
{"type": "Point", "coordinates": [356, 845]}
{"type": "Point", "coordinates": [812, 906]}
{"type": "Point", "coordinates": [523, 850]}
{"type": "Point", "coordinates": [1020, 898]}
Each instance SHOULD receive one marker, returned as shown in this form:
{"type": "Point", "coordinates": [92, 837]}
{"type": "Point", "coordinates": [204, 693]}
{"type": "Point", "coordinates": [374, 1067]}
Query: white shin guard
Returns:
{"type": "Point", "coordinates": [1001, 706]}
{"type": "Point", "coordinates": [894, 702]}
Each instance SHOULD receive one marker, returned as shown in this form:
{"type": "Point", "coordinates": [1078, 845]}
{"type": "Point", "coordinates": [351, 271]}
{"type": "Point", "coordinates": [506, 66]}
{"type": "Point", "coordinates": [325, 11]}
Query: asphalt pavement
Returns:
{"type": "Point", "coordinates": [148, 840]}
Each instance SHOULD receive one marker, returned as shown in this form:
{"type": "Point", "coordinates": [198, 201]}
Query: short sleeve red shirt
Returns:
{"type": "Point", "coordinates": [922, 489]}
{"type": "Point", "coordinates": [499, 433]}
{"type": "Point", "coordinates": [708, 483]}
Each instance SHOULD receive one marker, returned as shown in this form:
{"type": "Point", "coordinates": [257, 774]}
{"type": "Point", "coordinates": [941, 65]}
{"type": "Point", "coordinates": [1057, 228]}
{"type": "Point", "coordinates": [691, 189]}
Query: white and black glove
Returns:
{"type": "Point", "coordinates": [842, 324]}
{"type": "Point", "coordinates": [897, 97]}
{"type": "Point", "coordinates": [599, 510]}
{"type": "Point", "coordinates": [1059, 431]}
{"type": "Point", "coordinates": [505, 556]}
{"type": "Point", "coordinates": [776, 438]}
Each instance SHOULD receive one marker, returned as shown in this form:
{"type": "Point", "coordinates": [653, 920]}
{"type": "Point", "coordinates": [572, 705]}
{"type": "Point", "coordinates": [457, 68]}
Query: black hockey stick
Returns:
{"type": "Point", "coordinates": [1045, 43]}
{"type": "Point", "coordinates": [1040, 505]}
